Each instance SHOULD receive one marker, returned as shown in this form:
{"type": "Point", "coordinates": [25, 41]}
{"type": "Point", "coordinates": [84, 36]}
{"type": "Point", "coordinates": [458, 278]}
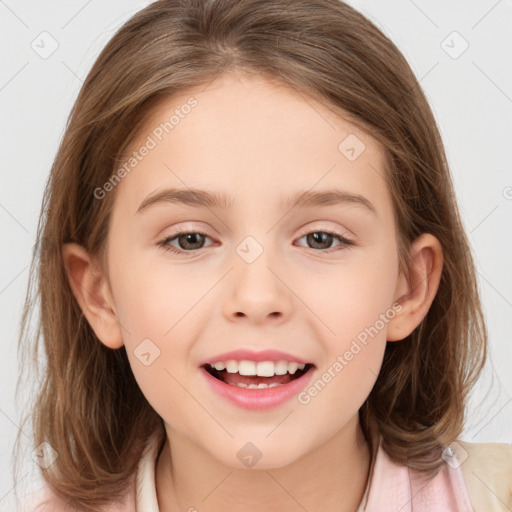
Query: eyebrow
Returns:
{"type": "Point", "coordinates": [304, 199]}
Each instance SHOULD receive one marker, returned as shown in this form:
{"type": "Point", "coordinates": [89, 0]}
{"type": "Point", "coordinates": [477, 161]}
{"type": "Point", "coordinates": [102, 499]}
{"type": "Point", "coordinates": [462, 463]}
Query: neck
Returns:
{"type": "Point", "coordinates": [331, 477]}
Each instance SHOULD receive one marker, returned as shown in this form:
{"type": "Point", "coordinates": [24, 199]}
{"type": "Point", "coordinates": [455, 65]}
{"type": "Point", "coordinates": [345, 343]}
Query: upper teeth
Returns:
{"type": "Point", "coordinates": [261, 369]}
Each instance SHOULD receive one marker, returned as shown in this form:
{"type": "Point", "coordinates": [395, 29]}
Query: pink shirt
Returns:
{"type": "Point", "coordinates": [390, 488]}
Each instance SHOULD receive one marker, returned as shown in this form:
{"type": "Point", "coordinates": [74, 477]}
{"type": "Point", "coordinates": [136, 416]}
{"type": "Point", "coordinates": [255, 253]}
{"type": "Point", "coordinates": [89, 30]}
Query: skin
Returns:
{"type": "Point", "coordinates": [256, 141]}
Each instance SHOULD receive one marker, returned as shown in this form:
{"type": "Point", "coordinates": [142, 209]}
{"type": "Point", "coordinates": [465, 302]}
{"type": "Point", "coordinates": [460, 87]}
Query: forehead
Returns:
{"type": "Point", "coordinates": [253, 139]}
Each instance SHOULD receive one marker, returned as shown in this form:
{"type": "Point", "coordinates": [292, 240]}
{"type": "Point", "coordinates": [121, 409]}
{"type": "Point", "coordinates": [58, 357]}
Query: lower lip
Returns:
{"type": "Point", "coordinates": [258, 399]}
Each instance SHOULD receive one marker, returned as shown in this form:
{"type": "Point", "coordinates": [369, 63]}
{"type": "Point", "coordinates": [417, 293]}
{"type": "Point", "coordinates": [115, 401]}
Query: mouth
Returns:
{"type": "Point", "coordinates": [255, 381]}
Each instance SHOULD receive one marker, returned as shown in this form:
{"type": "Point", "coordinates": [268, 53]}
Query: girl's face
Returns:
{"type": "Point", "coordinates": [261, 274]}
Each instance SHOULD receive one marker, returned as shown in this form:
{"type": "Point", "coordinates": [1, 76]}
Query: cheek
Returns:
{"type": "Point", "coordinates": [154, 311]}
{"type": "Point", "coordinates": [356, 313]}
{"type": "Point", "coordinates": [155, 300]}
{"type": "Point", "coordinates": [354, 294]}
{"type": "Point", "coordinates": [341, 385]}
{"type": "Point", "coordinates": [354, 304]}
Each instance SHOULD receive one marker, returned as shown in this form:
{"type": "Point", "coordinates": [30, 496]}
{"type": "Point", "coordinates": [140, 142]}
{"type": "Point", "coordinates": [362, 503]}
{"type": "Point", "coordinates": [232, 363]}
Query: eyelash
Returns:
{"type": "Point", "coordinates": [164, 243]}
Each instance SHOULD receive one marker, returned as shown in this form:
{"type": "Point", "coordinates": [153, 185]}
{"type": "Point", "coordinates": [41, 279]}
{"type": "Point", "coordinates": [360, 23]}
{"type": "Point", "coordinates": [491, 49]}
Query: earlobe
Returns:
{"type": "Point", "coordinates": [92, 292]}
{"type": "Point", "coordinates": [417, 295]}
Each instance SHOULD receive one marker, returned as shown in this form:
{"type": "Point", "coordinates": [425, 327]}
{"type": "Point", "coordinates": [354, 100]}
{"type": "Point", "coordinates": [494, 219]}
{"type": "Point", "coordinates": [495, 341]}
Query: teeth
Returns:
{"type": "Point", "coordinates": [260, 369]}
{"type": "Point", "coordinates": [292, 367]}
{"type": "Point", "coordinates": [231, 366]}
{"type": "Point", "coordinates": [257, 386]}
{"type": "Point", "coordinates": [264, 369]}
{"type": "Point", "coordinates": [281, 368]}
{"type": "Point", "coordinates": [247, 368]}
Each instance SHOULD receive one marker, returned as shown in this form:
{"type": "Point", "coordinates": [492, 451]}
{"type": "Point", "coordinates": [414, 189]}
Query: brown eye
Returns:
{"type": "Point", "coordinates": [186, 241]}
{"type": "Point", "coordinates": [322, 240]}
{"type": "Point", "coordinates": [190, 241]}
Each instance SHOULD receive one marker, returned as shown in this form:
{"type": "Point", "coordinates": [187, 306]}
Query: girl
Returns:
{"type": "Point", "coordinates": [256, 292]}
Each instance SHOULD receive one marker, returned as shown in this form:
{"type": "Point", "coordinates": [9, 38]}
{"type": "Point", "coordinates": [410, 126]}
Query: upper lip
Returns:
{"type": "Point", "coordinates": [250, 355]}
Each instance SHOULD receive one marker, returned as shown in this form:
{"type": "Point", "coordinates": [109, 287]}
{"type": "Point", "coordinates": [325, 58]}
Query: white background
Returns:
{"type": "Point", "coordinates": [471, 96]}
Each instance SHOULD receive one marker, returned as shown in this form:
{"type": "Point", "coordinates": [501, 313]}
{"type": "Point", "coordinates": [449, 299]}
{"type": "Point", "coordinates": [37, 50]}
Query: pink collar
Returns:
{"type": "Point", "coordinates": [402, 489]}
{"type": "Point", "coordinates": [391, 487]}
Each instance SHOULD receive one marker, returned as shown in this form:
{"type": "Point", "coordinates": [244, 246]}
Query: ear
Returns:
{"type": "Point", "coordinates": [92, 292]}
{"type": "Point", "coordinates": [416, 297]}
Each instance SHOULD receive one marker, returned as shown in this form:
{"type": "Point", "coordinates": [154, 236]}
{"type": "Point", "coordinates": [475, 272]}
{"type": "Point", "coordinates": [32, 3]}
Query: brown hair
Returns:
{"type": "Point", "coordinates": [89, 407]}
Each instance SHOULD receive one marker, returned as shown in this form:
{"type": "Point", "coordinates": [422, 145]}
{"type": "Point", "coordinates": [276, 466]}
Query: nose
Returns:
{"type": "Point", "coordinates": [258, 292]}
